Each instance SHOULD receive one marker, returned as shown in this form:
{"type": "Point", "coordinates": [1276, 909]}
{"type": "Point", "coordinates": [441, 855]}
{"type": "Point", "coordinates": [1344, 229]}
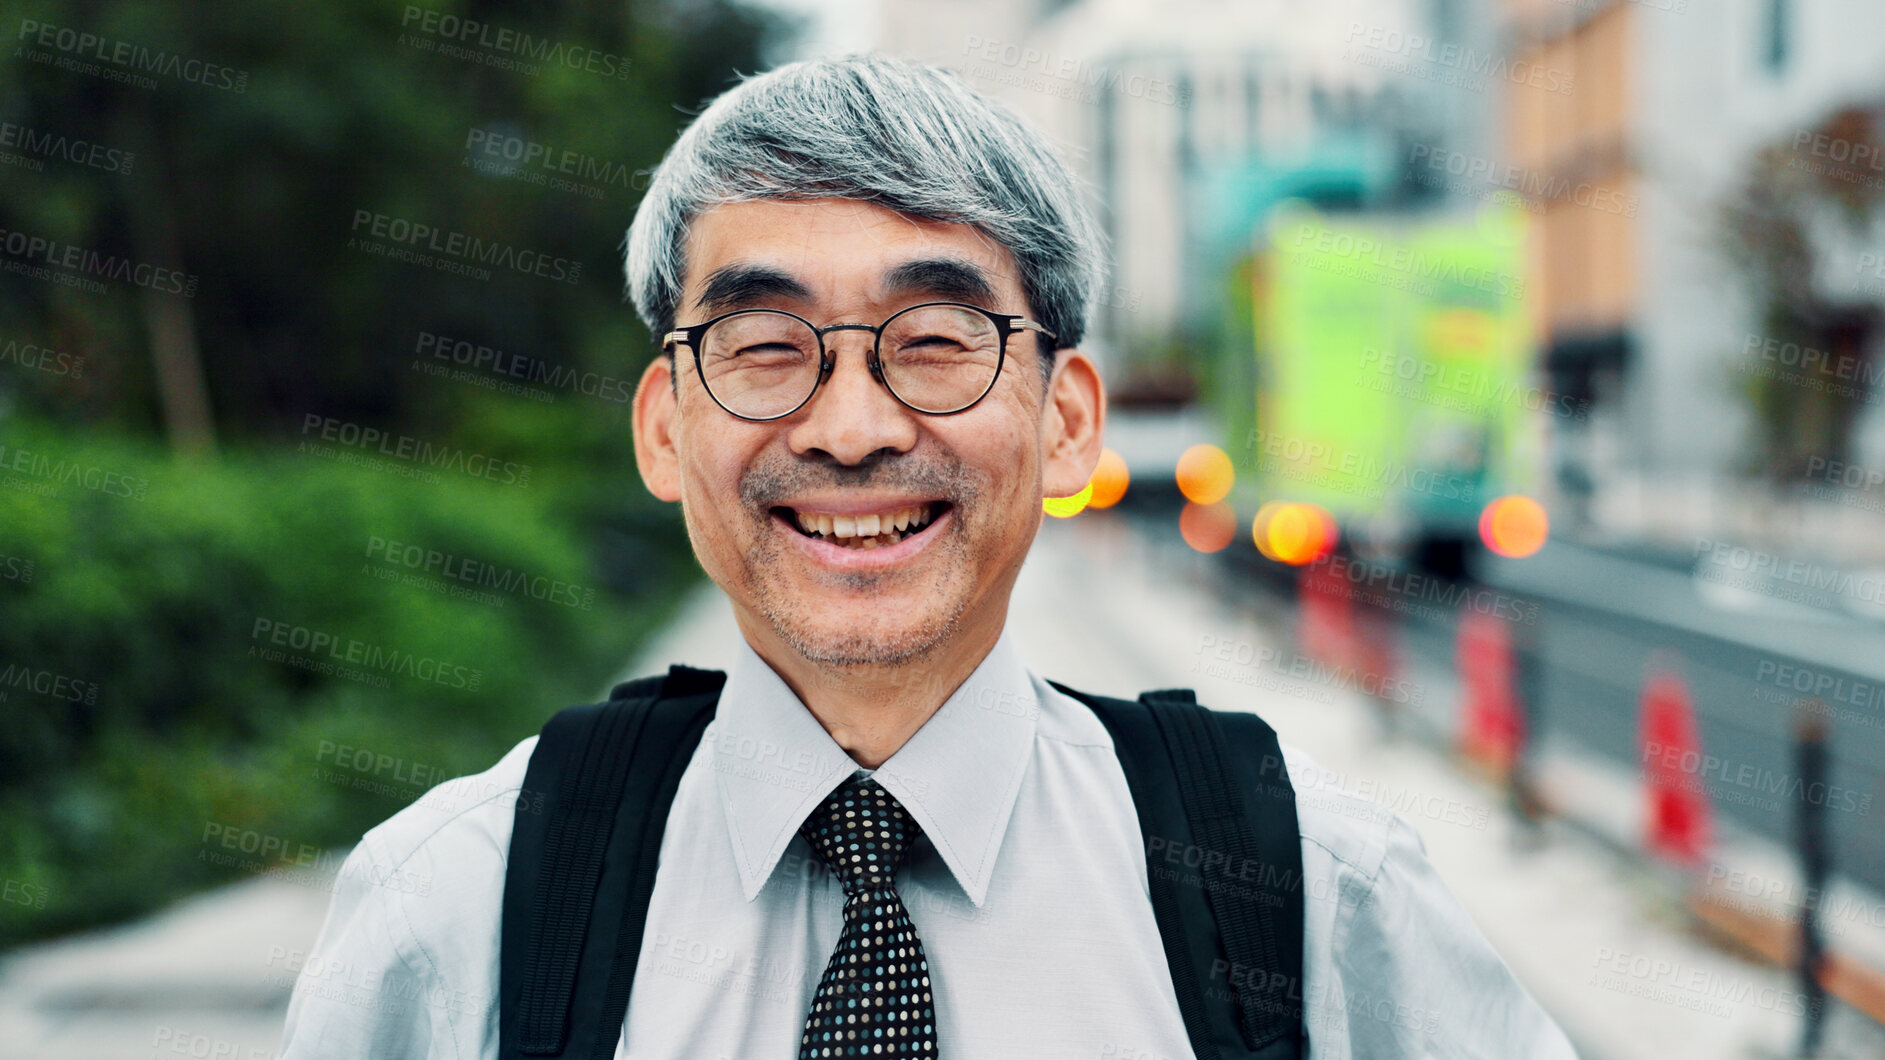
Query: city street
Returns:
{"type": "Point", "coordinates": [1101, 608]}
{"type": "Point", "coordinates": [1487, 394]}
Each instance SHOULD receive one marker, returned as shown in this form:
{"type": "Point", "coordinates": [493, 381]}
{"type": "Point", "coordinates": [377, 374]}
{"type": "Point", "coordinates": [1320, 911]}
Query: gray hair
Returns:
{"type": "Point", "coordinates": [907, 136]}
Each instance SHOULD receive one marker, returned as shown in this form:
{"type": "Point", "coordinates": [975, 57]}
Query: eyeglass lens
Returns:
{"type": "Point", "coordinates": [763, 364]}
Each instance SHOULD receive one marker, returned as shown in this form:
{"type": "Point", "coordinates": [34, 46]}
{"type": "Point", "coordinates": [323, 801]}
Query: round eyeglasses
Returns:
{"type": "Point", "coordinates": [938, 358]}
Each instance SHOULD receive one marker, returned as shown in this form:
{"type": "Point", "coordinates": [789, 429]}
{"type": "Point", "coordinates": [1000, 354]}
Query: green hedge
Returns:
{"type": "Point", "coordinates": [145, 720]}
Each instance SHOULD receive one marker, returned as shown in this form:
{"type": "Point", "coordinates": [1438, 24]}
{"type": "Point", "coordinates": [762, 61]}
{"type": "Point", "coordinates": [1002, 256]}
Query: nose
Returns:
{"type": "Point", "coordinates": [853, 415]}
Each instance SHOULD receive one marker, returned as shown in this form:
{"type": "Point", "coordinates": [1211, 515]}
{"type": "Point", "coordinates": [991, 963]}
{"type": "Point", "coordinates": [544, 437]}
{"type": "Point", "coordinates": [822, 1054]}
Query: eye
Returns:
{"type": "Point", "coordinates": [931, 341]}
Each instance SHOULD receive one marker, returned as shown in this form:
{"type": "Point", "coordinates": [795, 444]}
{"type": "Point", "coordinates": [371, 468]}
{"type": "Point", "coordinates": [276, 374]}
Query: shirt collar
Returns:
{"type": "Point", "coordinates": [957, 776]}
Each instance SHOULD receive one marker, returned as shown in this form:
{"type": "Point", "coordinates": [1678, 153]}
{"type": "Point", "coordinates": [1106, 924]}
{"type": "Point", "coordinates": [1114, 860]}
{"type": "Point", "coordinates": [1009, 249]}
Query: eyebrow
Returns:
{"type": "Point", "coordinates": [738, 285]}
{"type": "Point", "coordinates": [951, 278]}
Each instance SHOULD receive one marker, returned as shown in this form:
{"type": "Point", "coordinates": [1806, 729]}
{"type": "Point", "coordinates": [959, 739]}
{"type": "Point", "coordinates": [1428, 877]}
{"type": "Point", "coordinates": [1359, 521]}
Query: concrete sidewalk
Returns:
{"type": "Point", "coordinates": [1602, 942]}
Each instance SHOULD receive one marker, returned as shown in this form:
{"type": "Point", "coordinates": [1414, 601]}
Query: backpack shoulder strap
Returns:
{"type": "Point", "coordinates": [584, 845]}
{"type": "Point", "coordinates": [1224, 862]}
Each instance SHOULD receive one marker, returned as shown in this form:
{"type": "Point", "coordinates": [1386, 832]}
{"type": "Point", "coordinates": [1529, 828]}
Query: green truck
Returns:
{"type": "Point", "coordinates": [1391, 371]}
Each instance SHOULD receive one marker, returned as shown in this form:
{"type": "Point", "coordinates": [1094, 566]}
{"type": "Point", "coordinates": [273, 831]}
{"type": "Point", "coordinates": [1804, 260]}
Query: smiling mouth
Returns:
{"type": "Point", "coordinates": [865, 532]}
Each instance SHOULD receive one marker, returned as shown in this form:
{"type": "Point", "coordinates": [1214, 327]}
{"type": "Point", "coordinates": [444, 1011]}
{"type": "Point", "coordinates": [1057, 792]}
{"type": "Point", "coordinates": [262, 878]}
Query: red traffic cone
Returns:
{"type": "Point", "coordinates": [1326, 629]}
{"type": "Point", "coordinates": [1679, 810]}
{"type": "Point", "coordinates": [1491, 727]}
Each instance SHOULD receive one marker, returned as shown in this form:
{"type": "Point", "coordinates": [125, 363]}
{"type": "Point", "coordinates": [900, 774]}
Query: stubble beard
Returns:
{"type": "Point", "coordinates": [849, 649]}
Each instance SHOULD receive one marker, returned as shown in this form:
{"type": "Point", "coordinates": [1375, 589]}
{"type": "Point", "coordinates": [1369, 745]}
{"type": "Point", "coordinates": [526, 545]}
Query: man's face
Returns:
{"type": "Point", "coordinates": [974, 480]}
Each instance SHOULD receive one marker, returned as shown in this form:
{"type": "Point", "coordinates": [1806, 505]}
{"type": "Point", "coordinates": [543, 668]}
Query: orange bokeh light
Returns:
{"type": "Point", "coordinates": [1205, 474]}
{"type": "Point", "coordinates": [1109, 480]}
{"type": "Point", "coordinates": [1514, 526]}
{"type": "Point", "coordinates": [1207, 527]}
{"type": "Point", "coordinates": [1293, 533]}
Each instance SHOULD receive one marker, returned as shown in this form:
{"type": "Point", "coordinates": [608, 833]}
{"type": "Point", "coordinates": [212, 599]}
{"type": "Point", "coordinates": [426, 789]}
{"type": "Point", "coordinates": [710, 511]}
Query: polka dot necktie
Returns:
{"type": "Point", "coordinates": [874, 999]}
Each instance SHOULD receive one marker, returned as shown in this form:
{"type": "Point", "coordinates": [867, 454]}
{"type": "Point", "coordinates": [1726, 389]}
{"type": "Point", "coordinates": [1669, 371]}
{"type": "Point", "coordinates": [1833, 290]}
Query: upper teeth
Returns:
{"type": "Point", "coordinates": [864, 525]}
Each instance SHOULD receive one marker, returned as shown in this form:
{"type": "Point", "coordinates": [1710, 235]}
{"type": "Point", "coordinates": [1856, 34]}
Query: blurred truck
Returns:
{"type": "Point", "coordinates": [1390, 357]}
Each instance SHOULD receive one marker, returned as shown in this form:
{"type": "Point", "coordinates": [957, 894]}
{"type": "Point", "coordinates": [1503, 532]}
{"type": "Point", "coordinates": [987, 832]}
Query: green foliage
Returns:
{"type": "Point", "coordinates": [143, 710]}
{"type": "Point", "coordinates": [250, 175]}
{"type": "Point", "coordinates": [410, 111]}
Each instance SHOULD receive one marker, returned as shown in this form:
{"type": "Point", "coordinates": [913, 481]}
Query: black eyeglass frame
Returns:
{"type": "Point", "coordinates": [1006, 324]}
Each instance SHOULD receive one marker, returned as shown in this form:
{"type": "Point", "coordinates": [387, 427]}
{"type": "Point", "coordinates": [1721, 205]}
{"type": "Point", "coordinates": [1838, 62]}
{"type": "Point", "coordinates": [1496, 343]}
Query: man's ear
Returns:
{"type": "Point", "coordinates": [655, 454]}
{"type": "Point", "coordinates": [1073, 425]}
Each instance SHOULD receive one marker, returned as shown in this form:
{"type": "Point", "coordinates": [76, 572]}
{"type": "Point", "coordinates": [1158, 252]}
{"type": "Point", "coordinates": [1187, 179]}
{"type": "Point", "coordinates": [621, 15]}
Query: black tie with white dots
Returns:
{"type": "Point", "coordinates": [874, 998]}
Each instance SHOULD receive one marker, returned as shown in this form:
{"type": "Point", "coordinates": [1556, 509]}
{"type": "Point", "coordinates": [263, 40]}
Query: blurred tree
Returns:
{"type": "Point", "coordinates": [1773, 228]}
{"type": "Point", "coordinates": [253, 155]}
{"type": "Point", "coordinates": [234, 157]}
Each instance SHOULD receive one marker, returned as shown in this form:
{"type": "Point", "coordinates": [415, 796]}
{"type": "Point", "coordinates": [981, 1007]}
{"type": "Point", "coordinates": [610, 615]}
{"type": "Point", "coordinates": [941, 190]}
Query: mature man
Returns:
{"type": "Point", "coordinates": [870, 284]}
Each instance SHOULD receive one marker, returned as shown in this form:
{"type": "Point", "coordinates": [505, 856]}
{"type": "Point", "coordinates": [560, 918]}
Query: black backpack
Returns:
{"type": "Point", "coordinates": [1214, 801]}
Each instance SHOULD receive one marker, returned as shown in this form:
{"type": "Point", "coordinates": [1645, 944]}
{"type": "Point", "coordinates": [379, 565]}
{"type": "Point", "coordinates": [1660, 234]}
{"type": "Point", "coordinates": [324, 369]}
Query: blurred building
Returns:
{"type": "Point", "coordinates": [1192, 119]}
{"type": "Point", "coordinates": [1640, 307]}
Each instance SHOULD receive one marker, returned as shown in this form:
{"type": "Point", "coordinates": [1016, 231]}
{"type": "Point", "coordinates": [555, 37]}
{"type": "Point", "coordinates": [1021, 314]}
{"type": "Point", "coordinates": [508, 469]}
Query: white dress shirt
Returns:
{"type": "Point", "coordinates": [1028, 889]}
